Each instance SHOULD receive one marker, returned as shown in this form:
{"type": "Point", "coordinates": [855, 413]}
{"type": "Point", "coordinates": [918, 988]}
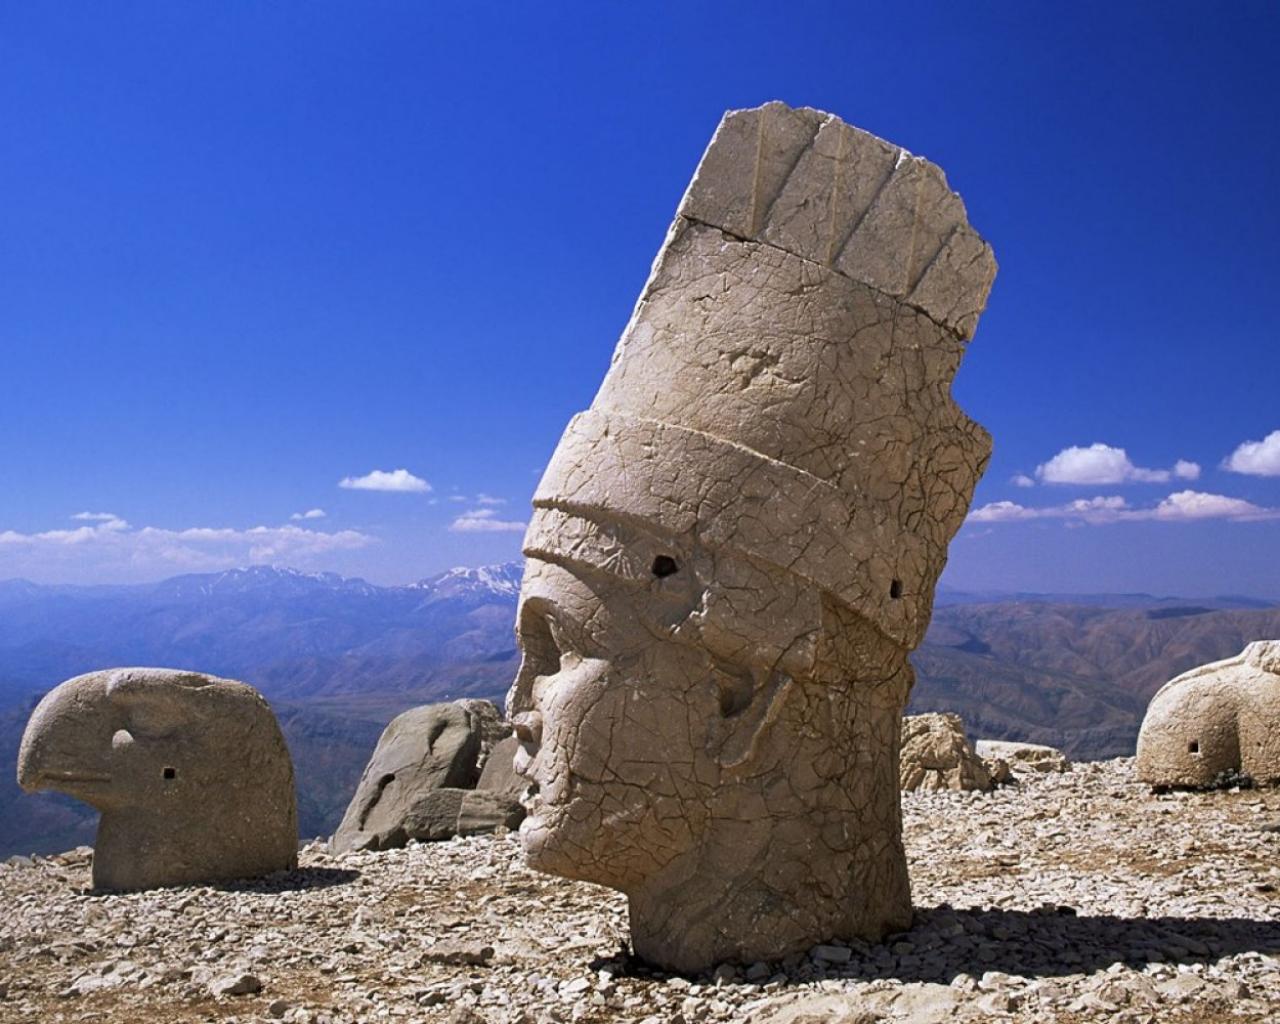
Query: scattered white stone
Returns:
{"type": "Point", "coordinates": [1067, 890]}
{"type": "Point", "coordinates": [239, 983]}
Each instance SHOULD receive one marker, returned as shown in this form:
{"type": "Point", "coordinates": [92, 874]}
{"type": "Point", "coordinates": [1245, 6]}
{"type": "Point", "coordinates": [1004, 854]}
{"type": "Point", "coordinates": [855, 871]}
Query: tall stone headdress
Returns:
{"type": "Point", "coordinates": [784, 385]}
{"type": "Point", "coordinates": [733, 550]}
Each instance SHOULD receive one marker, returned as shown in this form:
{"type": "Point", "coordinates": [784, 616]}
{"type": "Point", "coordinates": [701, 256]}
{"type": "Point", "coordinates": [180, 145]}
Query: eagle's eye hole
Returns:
{"type": "Point", "coordinates": [170, 773]}
{"type": "Point", "coordinates": [664, 565]}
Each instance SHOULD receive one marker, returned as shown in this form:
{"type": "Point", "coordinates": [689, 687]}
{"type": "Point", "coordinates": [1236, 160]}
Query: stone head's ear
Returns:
{"type": "Point", "coordinates": [749, 703]}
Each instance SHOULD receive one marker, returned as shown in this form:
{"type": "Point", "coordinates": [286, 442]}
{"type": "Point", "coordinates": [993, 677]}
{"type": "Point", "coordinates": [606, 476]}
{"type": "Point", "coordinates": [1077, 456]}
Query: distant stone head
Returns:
{"type": "Point", "coordinates": [191, 774]}
{"type": "Point", "coordinates": [1216, 723]}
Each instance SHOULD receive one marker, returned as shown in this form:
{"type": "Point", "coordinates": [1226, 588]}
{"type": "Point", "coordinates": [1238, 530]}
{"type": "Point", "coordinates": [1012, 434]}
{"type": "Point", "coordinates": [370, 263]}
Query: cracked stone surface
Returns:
{"type": "Point", "coordinates": [191, 774]}
{"type": "Point", "coordinates": [734, 549]}
{"type": "Point", "coordinates": [1216, 721]}
{"type": "Point", "coordinates": [1069, 897]}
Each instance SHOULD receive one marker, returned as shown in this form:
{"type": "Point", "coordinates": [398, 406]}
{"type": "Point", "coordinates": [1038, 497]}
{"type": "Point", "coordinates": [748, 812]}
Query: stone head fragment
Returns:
{"type": "Point", "coordinates": [733, 550]}
{"type": "Point", "coordinates": [191, 774]}
{"type": "Point", "coordinates": [1215, 723]}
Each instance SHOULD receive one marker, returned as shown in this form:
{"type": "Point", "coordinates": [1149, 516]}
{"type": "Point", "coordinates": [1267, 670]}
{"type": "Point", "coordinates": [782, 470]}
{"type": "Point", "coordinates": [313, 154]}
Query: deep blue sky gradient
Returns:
{"type": "Point", "coordinates": [248, 250]}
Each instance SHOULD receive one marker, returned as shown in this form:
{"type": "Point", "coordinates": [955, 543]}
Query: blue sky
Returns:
{"type": "Point", "coordinates": [248, 252]}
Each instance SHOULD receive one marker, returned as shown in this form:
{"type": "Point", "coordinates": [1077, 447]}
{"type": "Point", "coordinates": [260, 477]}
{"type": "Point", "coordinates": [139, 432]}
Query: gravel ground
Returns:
{"type": "Point", "coordinates": [1074, 897]}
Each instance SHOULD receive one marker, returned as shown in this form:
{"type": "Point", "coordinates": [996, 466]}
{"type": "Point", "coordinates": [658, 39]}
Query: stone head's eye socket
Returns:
{"type": "Point", "coordinates": [1193, 747]}
{"type": "Point", "coordinates": [895, 589]}
{"type": "Point", "coordinates": [542, 650]}
{"type": "Point", "coordinates": [170, 773]}
{"type": "Point", "coordinates": [665, 565]}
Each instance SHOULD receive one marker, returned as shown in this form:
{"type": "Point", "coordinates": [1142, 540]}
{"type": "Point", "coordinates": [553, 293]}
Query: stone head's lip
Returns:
{"type": "Point", "coordinates": [56, 775]}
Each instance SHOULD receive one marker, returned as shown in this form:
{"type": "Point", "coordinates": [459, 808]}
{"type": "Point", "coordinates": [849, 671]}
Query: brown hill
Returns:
{"type": "Point", "coordinates": [1078, 677]}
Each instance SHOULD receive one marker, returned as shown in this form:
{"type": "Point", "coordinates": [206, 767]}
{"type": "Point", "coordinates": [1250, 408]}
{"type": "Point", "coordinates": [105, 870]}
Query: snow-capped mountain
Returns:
{"type": "Point", "coordinates": [287, 632]}
{"type": "Point", "coordinates": [463, 582]}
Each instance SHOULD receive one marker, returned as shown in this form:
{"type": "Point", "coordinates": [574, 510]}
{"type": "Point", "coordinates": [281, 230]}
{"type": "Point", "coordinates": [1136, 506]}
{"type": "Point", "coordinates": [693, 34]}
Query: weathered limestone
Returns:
{"type": "Point", "coordinates": [445, 813]}
{"type": "Point", "coordinates": [1023, 757]}
{"type": "Point", "coordinates": [936, 755]}
{"type": "Point", "coordinates": [733, 550]}
{"type": "Point", "coordinates": [499, 775]}
{"type": "Point", "coordinates": [1215, 722]}
{"type": "Point", "coordinates": [425, 762]}
{"type": "Point", "coordinates": [190, 772]}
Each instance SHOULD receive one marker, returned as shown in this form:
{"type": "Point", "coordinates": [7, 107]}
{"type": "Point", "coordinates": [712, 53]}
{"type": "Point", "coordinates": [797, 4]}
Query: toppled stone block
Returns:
{"type": "Point", "coordinates": [1215, 723]}
{"type": "Point", "coordinates": [1023, 757]}
{"type": "Point", "coordinates": [425, 751]}
{"type": "Point", "coordinates": [734, 549]}
{"type": "Point", "coordinates": [936, 755]}
{"type": "Point", "coordinates": [191, 774]}
{"type": "Point", "coordinates": [445, 813]}
{"type": "Point", "coordinates": [499, 775]}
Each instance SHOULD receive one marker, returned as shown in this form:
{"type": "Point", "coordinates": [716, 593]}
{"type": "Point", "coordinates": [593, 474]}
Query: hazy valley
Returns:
{"type": "Point", "coordinates": [339, 657]}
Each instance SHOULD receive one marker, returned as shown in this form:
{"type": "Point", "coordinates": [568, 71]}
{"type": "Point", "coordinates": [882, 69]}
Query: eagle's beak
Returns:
{"type": "Point", "coordinates": [67, 744]}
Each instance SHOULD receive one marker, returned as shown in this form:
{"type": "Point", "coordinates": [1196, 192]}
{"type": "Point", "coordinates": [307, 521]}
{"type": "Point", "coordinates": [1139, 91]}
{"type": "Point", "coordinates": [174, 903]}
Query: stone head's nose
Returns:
{"type": "Point", "coordinates": [528, 727]}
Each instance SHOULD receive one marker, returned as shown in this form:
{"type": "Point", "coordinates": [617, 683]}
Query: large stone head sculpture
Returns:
{"type": "Point", "coordinates": [733, 550]}
{"type": "Point", "coordinates": [190, 772]}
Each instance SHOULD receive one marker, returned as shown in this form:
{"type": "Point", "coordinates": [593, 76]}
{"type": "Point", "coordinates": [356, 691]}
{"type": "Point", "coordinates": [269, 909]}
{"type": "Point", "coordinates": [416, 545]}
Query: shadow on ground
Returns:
{"type": "Point", "coordinates": [298, 880]}
{"type": "Point", "coordinates": [945, 943]}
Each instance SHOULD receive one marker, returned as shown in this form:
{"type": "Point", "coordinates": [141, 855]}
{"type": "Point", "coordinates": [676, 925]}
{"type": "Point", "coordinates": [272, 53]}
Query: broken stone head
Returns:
{"type": "Point", "coordinates": [734, 549]}
{"type": "Point", "coordinates": [191, 774]}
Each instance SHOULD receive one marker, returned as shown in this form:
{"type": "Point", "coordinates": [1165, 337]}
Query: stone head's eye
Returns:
{"type": "Point", "coordinates": [664, 565]}
{"type": "Point", "coordinates": [170, 773]}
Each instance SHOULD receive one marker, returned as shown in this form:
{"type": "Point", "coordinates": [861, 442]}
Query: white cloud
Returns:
{"type": "Point", "coordinates": [1103, 464]}
{"type": "Point", "coordinates": [311, 513]}
{"type": "Point", "coordinates": [1256, 458]}
{"type": "Point", "coordinates": [113, 550]}
{"type": "Point", "coordinates": [458, 497]}
{"type": "Point", "coordinates": [1002, 512]}
{"type": "Point", "coordinates": [399, 480]}
{"type": "Point", "coordinates": [1190, 505]}
{"type": "Point", "coordinates": [97, 517]}
{"type": "Point", "coordinates": [484, 520]}
{"type": "Point", "coordinates": [1083, 508]}
{"type": "Point", "coordinates": [489, 499]}
{"type": "Point", "coordinates": [1022, 480]}
{"type": "Point", "coordinates": [1182, 506]}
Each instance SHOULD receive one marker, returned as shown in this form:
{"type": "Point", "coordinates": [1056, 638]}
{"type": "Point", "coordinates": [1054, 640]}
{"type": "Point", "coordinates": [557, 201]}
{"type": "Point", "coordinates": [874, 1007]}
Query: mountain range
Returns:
{"type": "Point", "coordinates": [339, 657]}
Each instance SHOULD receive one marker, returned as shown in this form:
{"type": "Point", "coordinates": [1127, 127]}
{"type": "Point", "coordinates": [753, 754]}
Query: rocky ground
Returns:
{"type": "Point", "coordinates": [1076, 897]}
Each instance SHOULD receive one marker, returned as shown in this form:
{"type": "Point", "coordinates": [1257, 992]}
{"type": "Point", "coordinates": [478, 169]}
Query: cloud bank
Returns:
{"type": "Point", "coordinates": [396, 480]}
{"type": "Point", "coordinates": [1182, 506]}
{"type": "Point", "coordinates": [112, 549]}
{"type": "Point", "coordinates": [1103, 464]}
{"type": "Point", "coordinates": [484, 520]}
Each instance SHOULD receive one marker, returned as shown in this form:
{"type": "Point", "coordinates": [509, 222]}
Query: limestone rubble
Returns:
{"type": "Point", "coordinates": [1023, 757]}
{"type": "Point", "coordinates": [1069, 898]}
{"type": "Point", "coordinates": [936, 754]}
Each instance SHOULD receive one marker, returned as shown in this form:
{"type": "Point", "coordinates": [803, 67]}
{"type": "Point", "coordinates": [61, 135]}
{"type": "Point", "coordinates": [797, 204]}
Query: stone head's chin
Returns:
{"type": "Point", "coordinates": [539, 840]}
